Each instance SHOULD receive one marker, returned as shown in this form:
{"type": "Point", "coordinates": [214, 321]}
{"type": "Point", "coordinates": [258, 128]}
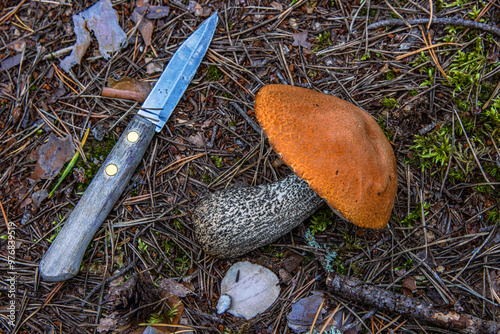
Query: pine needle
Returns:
{"type": "Point", "coordinates": [71, 164]}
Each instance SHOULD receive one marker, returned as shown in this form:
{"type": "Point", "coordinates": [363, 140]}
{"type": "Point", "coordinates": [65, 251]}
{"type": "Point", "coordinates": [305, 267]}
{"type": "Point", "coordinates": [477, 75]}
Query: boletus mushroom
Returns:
{"type": "Point", "coordinates": [339, 155]}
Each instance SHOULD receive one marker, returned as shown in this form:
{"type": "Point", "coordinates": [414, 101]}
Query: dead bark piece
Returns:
{"type": "Point", "coordinates": [357, 291]}
{"type": "Point", "coordinates": [124, 94]}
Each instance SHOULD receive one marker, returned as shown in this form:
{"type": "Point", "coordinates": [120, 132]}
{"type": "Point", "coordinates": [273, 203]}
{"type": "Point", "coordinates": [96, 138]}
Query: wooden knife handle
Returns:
{"type": "Point", "coordinates": [62, 259]}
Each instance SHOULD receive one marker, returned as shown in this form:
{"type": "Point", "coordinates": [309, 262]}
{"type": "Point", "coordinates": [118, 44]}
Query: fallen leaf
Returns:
{"type": "Point", "coordinates": [285, 276]}
{"type": "Point", "coordinates": [197, 9]}
{"type": "Point", "coordinates": [81, 45]}
{"type": "Point", "coordinates": [304, 310]}
{"type": "Point", "coordinates": [154, 12]}
{"type": "Point", "coordinates": [197, 139]}
{"type": "Point", "coordinates": [145, 26]}
{"type": "Point", "coordinates": [130, 84]}
{"type": "Point", "coordinates": [39, 196]}
{"type": "Point", "coordinates": [17, 46]}
{"type": "Point", "coordinates": [409, 285]}
{"type": "Point", "coordinates": [277, 5]}
{"type": "Point", "coordinates": [101, 18]}
{"type": "Point", "coordinates": [52, 156]}
{"type": "Point", "coordinates": [127, 88]}
{"type": "Point", "coordinates": [11, 61]}
{"type": "Point", "coordinates": [175, 303]}
{"type": "Point", "coordinates": [172, 287]}
{"type": "Point", "coordinates": [310, 5]}
{"type": "Point", "coordinates": [300, 39]}
{"type": "Point", "coordinates": [153, 66]}
{"type": "Point", "coordinates": [26, 202]}
{"type": "Point", "coordinates": [108, 323]}
{"type": "Point", "coordinates": [292, 262]}
{"type": "Point", "coordinates": [56, 94]}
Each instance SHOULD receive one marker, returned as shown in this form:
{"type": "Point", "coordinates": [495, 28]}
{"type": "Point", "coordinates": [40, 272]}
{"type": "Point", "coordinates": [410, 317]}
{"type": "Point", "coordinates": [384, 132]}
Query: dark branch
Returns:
{"type": "Point", "coordinates": [439, 21]}
{"type": "Point", "coordinates": [355, 290]}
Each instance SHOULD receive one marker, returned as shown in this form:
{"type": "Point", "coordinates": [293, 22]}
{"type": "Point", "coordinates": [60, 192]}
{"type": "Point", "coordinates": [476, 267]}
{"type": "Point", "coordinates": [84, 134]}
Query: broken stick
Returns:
{"type": "Point", "coordinates": [357, 291]}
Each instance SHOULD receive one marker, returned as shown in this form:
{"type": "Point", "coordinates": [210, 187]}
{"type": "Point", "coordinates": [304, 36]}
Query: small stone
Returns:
{"type": "Point", "coordinates": [252, 289]}
{"type": "Point", "coordinates": [223, 304]}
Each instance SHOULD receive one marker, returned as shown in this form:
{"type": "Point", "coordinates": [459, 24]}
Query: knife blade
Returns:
{"type": "Point", "coordinates": [62, 259]}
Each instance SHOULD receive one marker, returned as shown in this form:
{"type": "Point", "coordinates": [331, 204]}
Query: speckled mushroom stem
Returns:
{"type": "Point", "coordinates": [232, 222]}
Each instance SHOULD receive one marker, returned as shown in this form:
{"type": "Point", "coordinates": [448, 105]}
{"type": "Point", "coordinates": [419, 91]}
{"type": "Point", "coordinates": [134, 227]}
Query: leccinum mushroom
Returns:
{"type": "Point", "coordinates": [338, 153]}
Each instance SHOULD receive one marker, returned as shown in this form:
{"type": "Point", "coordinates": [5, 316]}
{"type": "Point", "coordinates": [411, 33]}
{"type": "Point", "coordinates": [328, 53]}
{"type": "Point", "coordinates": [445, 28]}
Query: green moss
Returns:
{"type": "Point", "coordinates": [321, 220]}
{"type": "Point", "coordinates": [217, 160]}
{"type": "Point", "coordinates": [415, 215]}
{"type": "Point", "coordinates": [493, 216]}
{"type": "Point", "coordinates": [206, 178]}
{"type": "Point", "coordinates": [389, 102]}
{"type": "Point", "coordinates": [493, 171]}
{"type": "Point", "coordinates": [456, 175]}
{"type": "Point", "coordinates": [182, 264]}
{"type": "Point", "coordinates": [213, 73]}
{"type": "Point", "coordinates": [484, 189]}
{"type": "Point", "coordinates": [95, 152]}
{"type": "Point", "coordinates": [322, 41]}
{"type": "Point", "coordinates": [407, 265]}
{"type": "Point", "coordinates": [433, 149]}
{"type": "Point", "coordinates": [351, 243]}
{"type": "Point", "coordinates": [389, 75]}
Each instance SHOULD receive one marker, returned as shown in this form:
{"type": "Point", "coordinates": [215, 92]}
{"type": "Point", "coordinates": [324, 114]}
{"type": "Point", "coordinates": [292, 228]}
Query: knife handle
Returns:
{"type": "Point", "coordinates": [62, 259]}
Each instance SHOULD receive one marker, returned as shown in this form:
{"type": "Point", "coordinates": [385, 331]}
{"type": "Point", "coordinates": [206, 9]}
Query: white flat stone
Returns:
{"type": "Point", "coordinates": [251, 288]}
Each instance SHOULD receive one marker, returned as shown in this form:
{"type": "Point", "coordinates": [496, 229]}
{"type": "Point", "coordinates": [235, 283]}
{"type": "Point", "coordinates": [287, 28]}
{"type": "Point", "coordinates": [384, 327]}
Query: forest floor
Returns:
{"type": "Point", "coordinates": [433, 89]}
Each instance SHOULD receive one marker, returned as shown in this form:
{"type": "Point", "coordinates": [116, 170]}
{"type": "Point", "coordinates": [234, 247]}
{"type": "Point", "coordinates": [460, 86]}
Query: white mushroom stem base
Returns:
{"type": "Point", "coordinates": [232, 222]}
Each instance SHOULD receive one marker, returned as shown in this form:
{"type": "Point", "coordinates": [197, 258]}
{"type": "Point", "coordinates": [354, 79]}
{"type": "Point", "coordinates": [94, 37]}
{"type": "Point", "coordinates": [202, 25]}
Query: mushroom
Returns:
{"type": "Point", "coordinates": [339, 155]}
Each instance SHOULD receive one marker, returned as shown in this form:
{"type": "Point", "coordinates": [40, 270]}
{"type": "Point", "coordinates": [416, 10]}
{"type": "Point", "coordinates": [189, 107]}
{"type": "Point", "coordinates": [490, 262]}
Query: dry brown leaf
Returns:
{"type": "Point", "coordinates": [131, 84]}
{"type": "Point", "coordinates": [153, 66]}
{"type": "Point", "coordinates": [277, 5]}
{"type": "Point", "coordinates": [492, 290]}
{"type": "Point", "coordinates": [127, 88]}
{"type": "Point", "coordinates": [409, 285]}
{"type": "Point", "coordinates": [39, 196]}
{"type": "Point", "coordinates": [11, 61]}
{"type": "Point", "coordinates": [153, 12]}
{"type": "Point", "coordinates": [300, 39]}
{"type": "Point", "coordinates": [174, 302]}
{"type": "Point", "coordinates": [197, 9]}
{"type": "Point", "coordinates": [145, 26]}
{"type": "Point", "coordinates": [102, 20]}
{"type": "Point", "coordinates": [52, 156]}
{"type": "Point", "coordinates": [172, 287]}
{"type": "Point", "coordinates": [197, 139]}
{"type": "Point", "coordinates": [17, 46]}
{"type": "Point", "coordinates": [108, 323]}
{"type": "Point", "coordinates": [310, 5]}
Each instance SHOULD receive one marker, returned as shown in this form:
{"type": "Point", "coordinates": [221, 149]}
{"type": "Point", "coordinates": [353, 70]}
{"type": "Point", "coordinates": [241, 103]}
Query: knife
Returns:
{"type": "Point", "coordinates": [62, 259]}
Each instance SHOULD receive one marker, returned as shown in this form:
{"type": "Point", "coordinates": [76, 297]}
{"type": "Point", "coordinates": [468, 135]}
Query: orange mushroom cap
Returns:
{"type": "Point", "coordinates": [336, 147]}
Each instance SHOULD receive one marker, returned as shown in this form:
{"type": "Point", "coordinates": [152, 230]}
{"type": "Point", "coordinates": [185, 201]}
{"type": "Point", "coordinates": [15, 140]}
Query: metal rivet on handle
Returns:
{"type": "Point", "coordinates": [132, 136]}
{"type": "Point", "coordinates": [111, 169]}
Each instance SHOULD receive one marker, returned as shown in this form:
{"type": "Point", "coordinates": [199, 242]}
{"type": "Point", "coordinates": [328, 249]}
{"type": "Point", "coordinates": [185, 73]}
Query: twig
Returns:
{"type": "Point", "coordinates": [5, 216]}
{"type": "Point", "coordinates": [109, 279]}
{"type": "Point", "coordinates": [424, 49]}
{"type": "Point", "coordinates": [472, 149]}
{"type": "Point", "coordinates": [439, 21]}
{"type": "Point", "coordinates": [356, 290]}
{"type": "Point", "coordinates": [123, 94]}
{"type": "Point", "coordinates": [245, 116]}
{"type": "Point", "coordinates": [12, 12]}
